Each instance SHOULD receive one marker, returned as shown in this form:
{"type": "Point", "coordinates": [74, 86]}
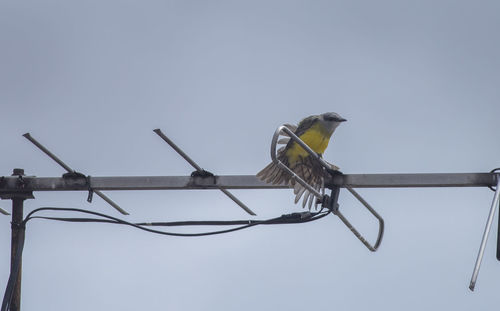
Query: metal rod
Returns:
{"type": "Point", "coordinates": [106, 183]}
{"type": "Point", "coordinates": [111, 202]}
{"type": "Point", "coordinates": [487, 229]}
{"type": "Point", "coordinates": [178, 150]}
{"type": "Point", "coordinates": [413, 180]}
{"type": "Point", "coordinates": [199, 169]}
{"type": "Point", "coordinates": [47, 152]}
{"type": "Point", "coordinates": [2, 211]}
{"type": "Point", "coordinates": [335, 209]}
{"type": "Point", "coordinates": [70, 170]}
{"type": "Point", "coordinates": [374, 213]}
{"type": "Point", "coordinates": [237, 201]}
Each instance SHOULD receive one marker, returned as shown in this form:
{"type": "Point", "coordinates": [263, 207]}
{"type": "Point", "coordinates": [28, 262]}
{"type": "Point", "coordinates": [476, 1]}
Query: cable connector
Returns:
{"type": "Point", "coordinates": [297, 216]}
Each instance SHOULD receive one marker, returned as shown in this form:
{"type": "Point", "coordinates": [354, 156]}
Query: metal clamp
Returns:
{"type": "Point", "coordinates": [332, 200]}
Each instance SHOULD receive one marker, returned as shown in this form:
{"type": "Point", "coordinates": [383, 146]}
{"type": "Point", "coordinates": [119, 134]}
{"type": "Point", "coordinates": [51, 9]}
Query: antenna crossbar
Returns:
{"type": "Point", "coordinates": [9, 184]}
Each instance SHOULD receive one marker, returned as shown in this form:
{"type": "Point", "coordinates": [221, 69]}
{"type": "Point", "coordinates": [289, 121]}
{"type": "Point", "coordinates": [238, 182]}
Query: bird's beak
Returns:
{"type": "Point", "coordinates": [342, 120]}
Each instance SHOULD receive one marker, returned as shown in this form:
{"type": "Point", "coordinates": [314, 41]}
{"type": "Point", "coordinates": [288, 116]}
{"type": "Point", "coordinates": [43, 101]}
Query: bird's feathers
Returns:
{"type": "Point", "coordinates": [299, 161]}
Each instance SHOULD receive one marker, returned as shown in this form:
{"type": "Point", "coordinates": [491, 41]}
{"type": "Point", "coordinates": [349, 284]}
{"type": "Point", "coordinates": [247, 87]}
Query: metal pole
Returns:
{"type": "Point", "coordinates": [487, 229]}
{"type": "Point", "coordinates": [17, 232]}
{"type": "Point", "coordinates": [17, 218]}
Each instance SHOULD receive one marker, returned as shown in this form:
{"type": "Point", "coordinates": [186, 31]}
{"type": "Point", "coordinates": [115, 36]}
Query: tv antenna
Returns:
{"type": "Point", "coordinates": [19, 187]}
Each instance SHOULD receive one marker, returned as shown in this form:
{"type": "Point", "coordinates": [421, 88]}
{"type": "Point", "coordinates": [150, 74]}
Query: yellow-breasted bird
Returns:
{"type": "Point", "coordinates": [315, 131]}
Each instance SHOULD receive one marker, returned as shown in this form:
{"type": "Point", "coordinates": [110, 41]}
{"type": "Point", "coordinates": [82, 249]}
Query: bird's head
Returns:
{"type": "Point", "coordinates": [331, 120]}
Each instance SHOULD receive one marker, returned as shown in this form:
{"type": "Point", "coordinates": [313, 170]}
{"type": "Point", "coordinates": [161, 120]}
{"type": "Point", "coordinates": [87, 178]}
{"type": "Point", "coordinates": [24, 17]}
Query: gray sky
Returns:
{"type": "Point", "coordinates": [418, 82]}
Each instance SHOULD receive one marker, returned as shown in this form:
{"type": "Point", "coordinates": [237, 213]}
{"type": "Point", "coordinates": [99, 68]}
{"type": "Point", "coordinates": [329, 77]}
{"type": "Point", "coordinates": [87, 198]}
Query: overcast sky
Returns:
{"type": "Point", "coordinates": [418, 82]}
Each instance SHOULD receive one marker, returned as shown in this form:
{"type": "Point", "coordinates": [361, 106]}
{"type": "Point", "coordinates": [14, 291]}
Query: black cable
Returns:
{"type": "Point", "coordinates": [123, 222]}
{"type": "Point", "coordinates": [288, 218]}
{"type": "Point", "coordinates": [283, 219]}
{"type": "Point", "coordinates": [173, 223]}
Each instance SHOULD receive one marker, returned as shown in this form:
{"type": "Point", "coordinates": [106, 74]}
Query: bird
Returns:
{"type": "Point", "coordinates": [315, 131]}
